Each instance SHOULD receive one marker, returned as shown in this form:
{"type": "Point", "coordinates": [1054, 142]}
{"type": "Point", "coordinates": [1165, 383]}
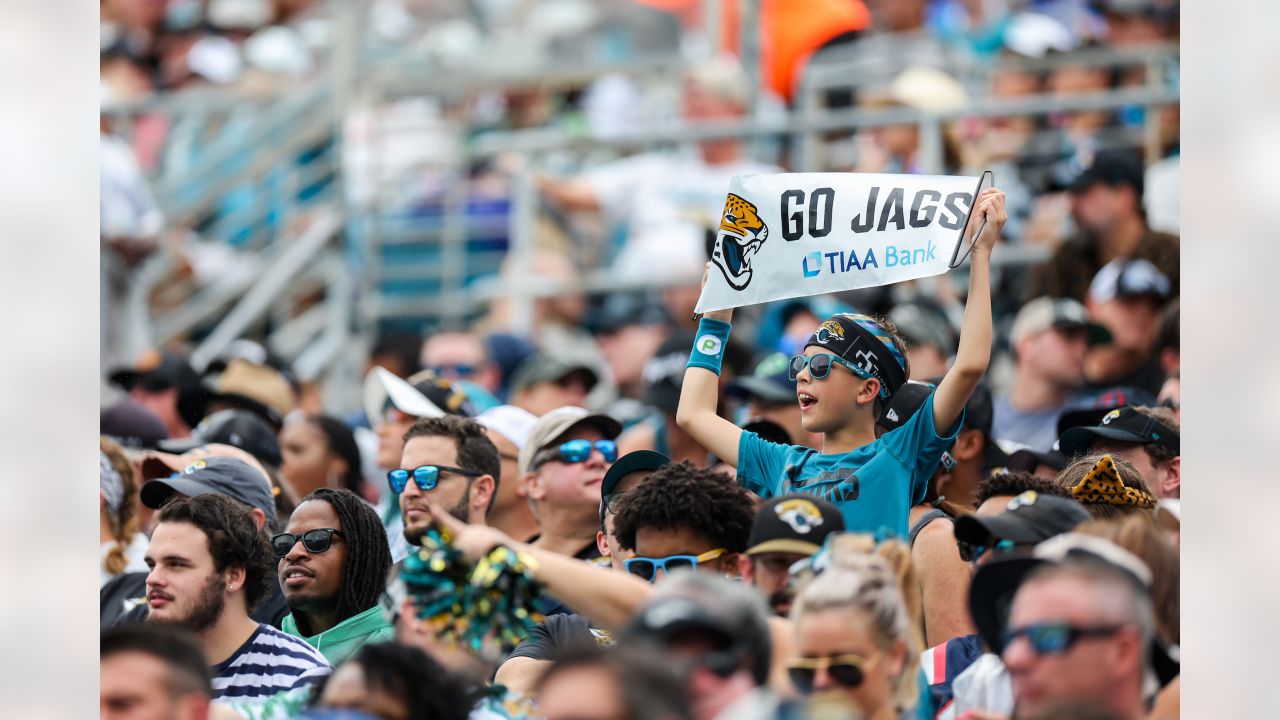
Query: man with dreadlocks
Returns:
{"type": "Point", "coordinates": [333, 563]}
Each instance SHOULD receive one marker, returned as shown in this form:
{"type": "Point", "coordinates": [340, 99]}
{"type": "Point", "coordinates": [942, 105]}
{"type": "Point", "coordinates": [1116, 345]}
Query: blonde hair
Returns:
{"type": "Point", "coordinates": [122, 521]}
{"type": "Point", "coordinates": [878, 580]}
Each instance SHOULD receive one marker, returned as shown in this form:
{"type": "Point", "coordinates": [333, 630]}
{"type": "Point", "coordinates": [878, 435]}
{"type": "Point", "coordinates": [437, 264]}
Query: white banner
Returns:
{"type": "Point", "coordinates": [796, 234]}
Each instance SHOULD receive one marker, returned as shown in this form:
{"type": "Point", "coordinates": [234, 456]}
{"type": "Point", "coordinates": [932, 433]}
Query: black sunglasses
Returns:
{"type": "Point", "coordinates": [846, 670]}
{"type": "Point", "coordinates": [315, 541]}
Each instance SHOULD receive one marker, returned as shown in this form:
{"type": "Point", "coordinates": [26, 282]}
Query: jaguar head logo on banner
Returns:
{"type": "Point", "coordinates": [742, 233]}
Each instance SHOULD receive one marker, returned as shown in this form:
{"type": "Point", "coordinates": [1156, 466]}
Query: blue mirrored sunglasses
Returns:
{"type": "Point", "coordinates": [425, 477]}
{"type": "Point", "coordinates": [1056, 638]}
{"type": "Point", "coordinates": [576, 451]}
{"type": "Point", "coordinates": [971, 553]}
{"type": "Point", "coordinates": [646, 568]}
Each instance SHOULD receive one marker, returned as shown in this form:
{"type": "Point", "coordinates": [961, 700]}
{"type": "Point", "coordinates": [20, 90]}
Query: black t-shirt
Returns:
{"type": "Point", "coordinates": [559, 633]}
{"type": "Point", "coordinates": [124, 599]}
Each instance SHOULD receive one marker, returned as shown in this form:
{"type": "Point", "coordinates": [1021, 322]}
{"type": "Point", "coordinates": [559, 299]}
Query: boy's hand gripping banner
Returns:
{"type": "Point", "coordinates": [796, 234]}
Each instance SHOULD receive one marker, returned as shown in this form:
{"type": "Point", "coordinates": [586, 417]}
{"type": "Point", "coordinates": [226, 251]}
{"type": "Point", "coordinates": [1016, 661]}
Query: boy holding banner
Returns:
{"type": "Point", "coordinates": [850, 368]}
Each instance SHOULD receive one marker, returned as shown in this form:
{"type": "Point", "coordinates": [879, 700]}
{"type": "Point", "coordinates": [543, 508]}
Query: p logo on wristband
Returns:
{"type": "Point", "coordinates": [709, 345]}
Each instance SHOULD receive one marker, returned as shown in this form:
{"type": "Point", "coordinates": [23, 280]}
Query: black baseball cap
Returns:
{"type": "Point", "coordinates": [794, 523]}
{"type": "Point", "coordinates": [636, 461]}
{"type": "Point", "coordinates": [1129, 278]}
{"type": "Point", "coordinates": [233, 478]}
{"type": "Point", "coordinates": [769, 382]}
{"type": "Point", "coordinates": [769, 431]}
{"type": "Point", "coordinates": [238, 428]}
{"type": "Point", "coordinates": [549, 367]}
{"type": "Point", "coordinates": [1043, 313]}
{"type": "Point", "coordinates": [1090, 411]}
{"type": "Point", "coordinates": [157, 370]}
{"type": "Point", "coordinates": [623, 310]}
{"type": "Point", "coordinates": [663, 374]}
{"type": "Point", "coordinates": [1115, 168]}
{"type": "Point", "coordinates": [131, 425]}
{"type": "Point", "coordinates": [904, 403]}
{"type": "Point", "coordinates": [1026, 460]}
{"type": "Point", "coordinates": [1030, 518]}
{"type": "Point", "coordinates": [1123, 425]}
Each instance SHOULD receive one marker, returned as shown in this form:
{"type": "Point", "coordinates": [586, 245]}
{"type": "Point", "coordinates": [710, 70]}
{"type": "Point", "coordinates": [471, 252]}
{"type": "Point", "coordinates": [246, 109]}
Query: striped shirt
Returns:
{"type": "Point", "coordinates": [268, 664]}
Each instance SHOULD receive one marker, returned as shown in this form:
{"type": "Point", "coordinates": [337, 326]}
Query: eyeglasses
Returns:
{"type": "Point", "coordinates": [315, 541]}
{"type": "Point", "coordinates": [1057, 638]}
{"type": "Point", "coordinates": [970, 552]}
{"type": "Point", "coordinates": [426, 477]}
{"type": "Point", "coordinates": [576, 451]}
{"type": "Point", "coordinates": [646, 568]}
{"type": "Point", "coordinates": [613, 501]}
{"type": "Point", "coordinates": [820, 366]}
{"type": "Point", "coordinates": [847, 670]}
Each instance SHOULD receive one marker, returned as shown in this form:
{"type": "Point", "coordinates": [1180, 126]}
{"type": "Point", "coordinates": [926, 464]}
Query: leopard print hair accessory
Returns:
{"type": "Point", "coordinates": [1102, 484]}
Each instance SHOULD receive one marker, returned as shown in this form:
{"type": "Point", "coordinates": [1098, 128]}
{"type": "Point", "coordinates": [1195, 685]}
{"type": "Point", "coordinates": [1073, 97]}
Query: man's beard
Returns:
{"type": "Point", "coordinates": [208, 606]}
{"type": "Point", "coordinates": [461, 511]}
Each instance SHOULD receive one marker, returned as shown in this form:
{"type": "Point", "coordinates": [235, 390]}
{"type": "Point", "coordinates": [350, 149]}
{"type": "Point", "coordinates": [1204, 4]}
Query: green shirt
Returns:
{"type": "Point", "coordinates": [343, 640]}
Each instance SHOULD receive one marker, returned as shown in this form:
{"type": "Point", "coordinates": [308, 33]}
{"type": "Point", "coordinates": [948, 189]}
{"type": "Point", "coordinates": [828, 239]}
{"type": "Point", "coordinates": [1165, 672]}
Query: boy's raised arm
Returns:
{"type": "Point", "coordinates": [974, 352]}
{"type": "Point", "coordinates": [699, 394]}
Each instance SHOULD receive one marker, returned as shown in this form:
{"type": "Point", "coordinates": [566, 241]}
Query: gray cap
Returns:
{"type": "Point", "coordinates": [1044, 313]}
{"type": "Point", "coordinates": [560, 421]}
{"type": "Point", "coordinates": [545, 367]}
{"type": "Point", "coordinates": [233, 478]}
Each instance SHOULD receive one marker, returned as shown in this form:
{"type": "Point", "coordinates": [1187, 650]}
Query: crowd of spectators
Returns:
{"type": "Point", "coordinates": [984, 524]}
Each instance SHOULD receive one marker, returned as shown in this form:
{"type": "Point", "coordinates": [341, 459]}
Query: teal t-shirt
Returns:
{"type": "Point", "coordinates": [874, 485]}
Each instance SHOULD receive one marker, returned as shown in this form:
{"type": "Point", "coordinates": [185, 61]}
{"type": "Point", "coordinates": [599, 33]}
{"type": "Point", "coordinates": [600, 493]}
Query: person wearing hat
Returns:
{"type": "Point", "coordinates": [508, 427]}
{"type": "Point", "coordinates": [1050, 341]}
{"type": "Point", "coordinates": [257, 387]}
{"type": "Point", "coordinates": [769, 393]}
{"type": "Point", "coordinates": [787, 529]}
{"type": "Point", "coordinates": [562, 465]}
{"type": "Point", "coordinates": [210, 566]}
{"type": "Point", "coordinates": [1146, 437]}
{"type": "Point", "coordinates": [629, 330]}
{"type": "Point", "coordinates": [547, 381]}
{"type": "Point", "coordinates": [851, 367]}
{"type": "Point", "coordinates": [1073, 625]}
{"type": "Point", "coordinates": [1002, 526]}
{"type": "Point", "coordinates": [238, 428]}
{"type": "Point", "coordinates": [164, 383]}
{"type": "Point", "coordinates": [461, 357]}
{"type": "Point", "coordinates": [659, 432]}
{"type": "Point", "coordinates": [1127, 296]}
{"type": "Point", "coordinates": [171, 476]}
{"type": "Point", "coordinates": [1106, 203]}
{"type": "Point", "coordinates": [951, 492]}
{"type": "Point", "coordinates": [624, 475]}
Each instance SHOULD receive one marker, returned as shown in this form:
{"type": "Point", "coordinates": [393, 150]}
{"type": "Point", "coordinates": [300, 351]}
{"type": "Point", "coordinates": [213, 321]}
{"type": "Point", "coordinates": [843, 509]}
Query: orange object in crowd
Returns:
{"type": "Point", "coordinates": [791, 31]}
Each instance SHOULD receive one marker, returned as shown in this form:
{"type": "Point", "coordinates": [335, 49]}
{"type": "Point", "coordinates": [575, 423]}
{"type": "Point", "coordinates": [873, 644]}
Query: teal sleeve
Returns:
{"type": "Point", "coordinates": [919, 448]}
{"type": "Point", "coordinates": [760, 464]}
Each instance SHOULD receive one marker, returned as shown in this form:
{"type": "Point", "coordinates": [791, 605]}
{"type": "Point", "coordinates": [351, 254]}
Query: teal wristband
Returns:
{"type": "Point", "coordinates": [708, 345]}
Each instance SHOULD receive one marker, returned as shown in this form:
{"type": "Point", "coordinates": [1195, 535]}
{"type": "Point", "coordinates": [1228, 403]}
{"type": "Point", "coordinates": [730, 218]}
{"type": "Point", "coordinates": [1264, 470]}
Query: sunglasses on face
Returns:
{"type": "Point", "coordinates": [425, 477]}
{"type": "Point", "coordinates": [820, 366]}
{"type": "Point", "coordinates": [576, 451]}
{"type": "Point", "coordinates": [613, 501]}
{"type": "Point", "coordinates": [847, 670]}
{"type": "Point", "coordinates": [970, 552]}
{"type": "Point", "coordinates": [646, 568]}
{"type": "Point", "coordinates": [459, 370]}
{"type": "Point", "coordinates": [1056, 638]}
{"type": "Point", "coordinates": [315, 541]}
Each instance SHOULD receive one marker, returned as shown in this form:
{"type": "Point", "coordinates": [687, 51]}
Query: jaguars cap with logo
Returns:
{"type": "Point", "coordinates": [1029, 518]}
{"type": "Point", "coordinates": [795, 523]}
{"type": "Point", "coordinates": [860, 340]}
{"type": "Point", "coordinates": [1125, 425]}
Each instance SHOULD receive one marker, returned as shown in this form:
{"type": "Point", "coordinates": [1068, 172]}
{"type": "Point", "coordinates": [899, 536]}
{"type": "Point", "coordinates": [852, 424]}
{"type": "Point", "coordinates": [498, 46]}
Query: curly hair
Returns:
{"type": "Point", "coordinates": [124, 520]}
{"type": "Point", "coordinates": [1016, 483]}
{"type": "Point", "coordinates": [681, 495]}
{"type": "Point", "coordinates": [475, 450]}
{"type": "Point", "coordinates": [368, 559]}
{"type": "Point", "coordinates": [234, 539]}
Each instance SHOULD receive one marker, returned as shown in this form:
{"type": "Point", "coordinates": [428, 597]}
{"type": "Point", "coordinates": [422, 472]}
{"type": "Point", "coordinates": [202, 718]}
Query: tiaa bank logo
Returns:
{"type": "Point", "coordinates": [812, 264]}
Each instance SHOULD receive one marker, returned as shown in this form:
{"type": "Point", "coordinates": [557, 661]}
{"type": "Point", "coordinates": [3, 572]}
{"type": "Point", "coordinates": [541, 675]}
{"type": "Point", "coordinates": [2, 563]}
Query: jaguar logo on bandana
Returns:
{"type": "Point", "coordinates": [802, 515]}
{"type": "Point", "coordinates": [832, 329]}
